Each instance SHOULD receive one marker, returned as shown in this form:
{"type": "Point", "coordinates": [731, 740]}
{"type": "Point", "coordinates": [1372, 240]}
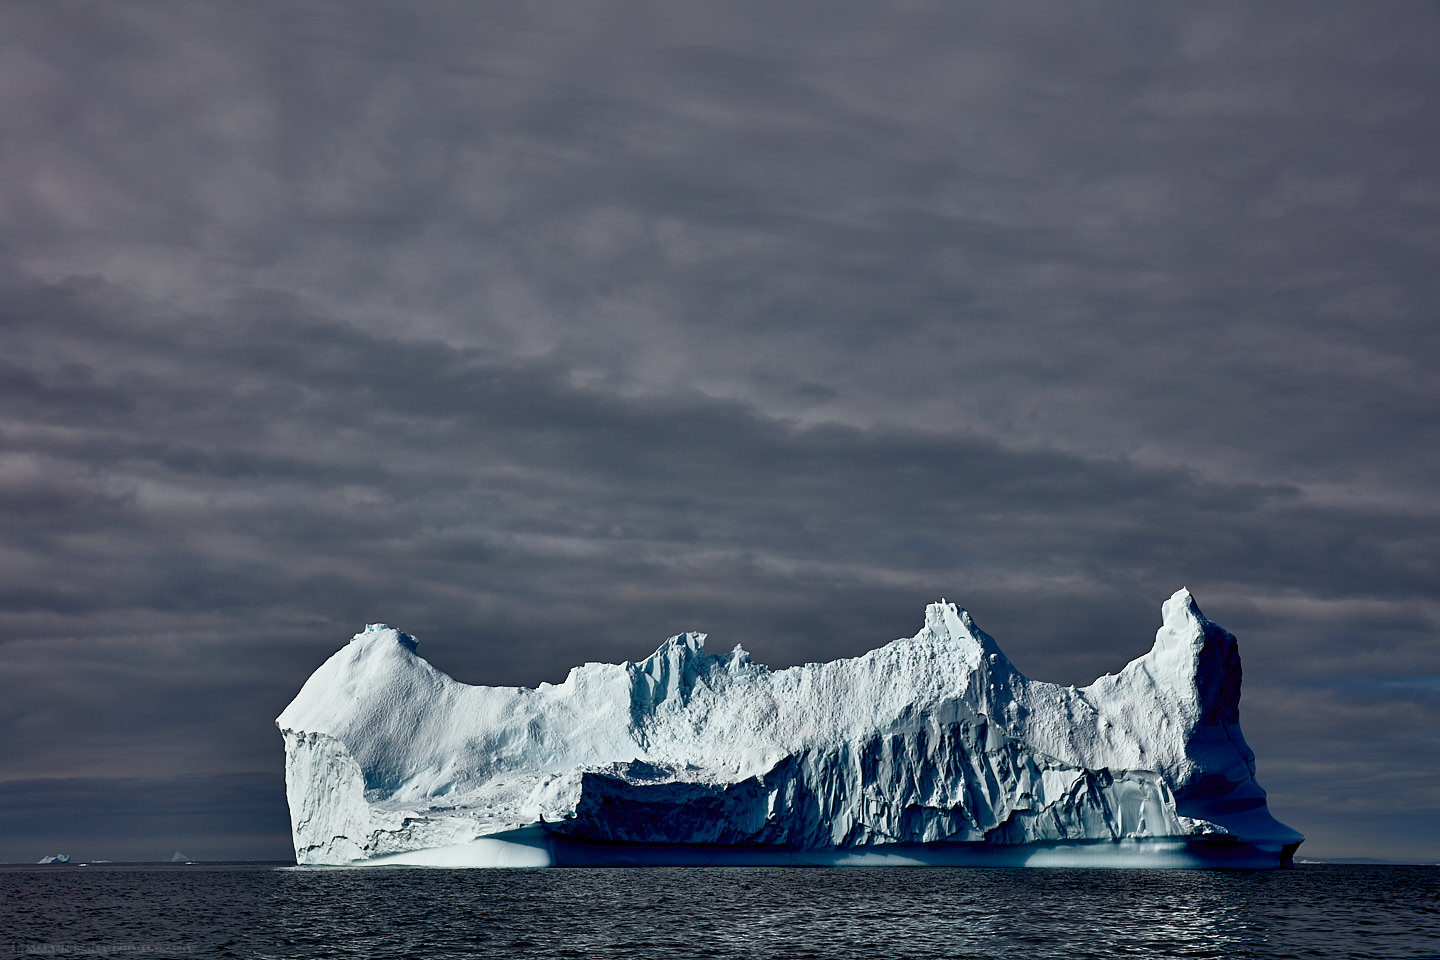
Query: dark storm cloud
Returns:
{"type": "Point", "coordinates": [546, 333]}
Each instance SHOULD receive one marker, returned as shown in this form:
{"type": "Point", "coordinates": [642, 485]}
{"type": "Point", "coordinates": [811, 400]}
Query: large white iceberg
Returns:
{"type": "Point", "coordinates": [930, 750]}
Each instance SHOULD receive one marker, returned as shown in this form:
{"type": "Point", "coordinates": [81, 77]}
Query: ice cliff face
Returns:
{"type": "Point", "coordinates": [930, 749]}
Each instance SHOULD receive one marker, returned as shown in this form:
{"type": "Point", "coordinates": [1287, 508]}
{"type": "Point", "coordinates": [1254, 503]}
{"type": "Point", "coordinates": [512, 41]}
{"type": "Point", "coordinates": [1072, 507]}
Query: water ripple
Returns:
{"type": "Point", "coordinates": [679, 914]}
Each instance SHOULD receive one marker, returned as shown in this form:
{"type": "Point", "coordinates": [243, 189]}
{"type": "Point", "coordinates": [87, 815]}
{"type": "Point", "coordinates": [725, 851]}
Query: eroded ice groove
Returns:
{"type": "Point", "coordinates": [928, 750]}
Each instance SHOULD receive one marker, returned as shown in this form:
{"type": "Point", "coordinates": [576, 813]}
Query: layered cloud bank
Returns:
{"type": "Point", "coordinates": [932, 749]}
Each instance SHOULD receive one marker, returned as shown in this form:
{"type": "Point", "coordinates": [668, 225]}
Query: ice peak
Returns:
{"type": "Point", "coordinates": [952, 623]}
{"type": "Point", "coordinates": [1181, 622]}
{"type": "Point", "coordinates": [945, 617]}
{"type": "Point", "coordinates": [1181, 604]}
{"type": "Point", "coordinates": [672, 668]}
{"type": "Point", "coordinates": [1199, 657]}
{"type": "Point", "coordinates": [381, 632]}
{"type": "Point", "coordinates": [681, 645]}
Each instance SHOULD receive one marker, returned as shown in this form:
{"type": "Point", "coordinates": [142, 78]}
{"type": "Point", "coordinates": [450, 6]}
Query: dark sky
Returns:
{"type": "Point", "coordinates": [547, 333]}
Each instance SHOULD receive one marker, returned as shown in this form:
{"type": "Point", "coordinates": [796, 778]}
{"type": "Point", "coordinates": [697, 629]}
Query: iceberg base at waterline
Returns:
{"type": "Point", "coordinates": [534, 847]}
{"type": "Point", "coordinates": [930, 751]}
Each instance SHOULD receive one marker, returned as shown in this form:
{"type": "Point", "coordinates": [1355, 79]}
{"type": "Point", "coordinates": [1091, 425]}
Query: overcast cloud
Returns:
{"type": "Point", "coordinates": [547, 332]}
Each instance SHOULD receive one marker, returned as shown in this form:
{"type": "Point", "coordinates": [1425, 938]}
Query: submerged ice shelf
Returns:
{"type": "Point", "coordinates": [928, 750]}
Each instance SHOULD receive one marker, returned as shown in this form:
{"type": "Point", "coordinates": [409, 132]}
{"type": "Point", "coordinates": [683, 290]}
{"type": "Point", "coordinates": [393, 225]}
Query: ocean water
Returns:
{"type": "Point", "coordinates": [264, 911]}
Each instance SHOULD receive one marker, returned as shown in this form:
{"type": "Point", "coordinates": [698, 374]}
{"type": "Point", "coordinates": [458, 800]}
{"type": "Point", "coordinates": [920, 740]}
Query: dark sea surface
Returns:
{"type": "Point", "coordinates": [264, 911]}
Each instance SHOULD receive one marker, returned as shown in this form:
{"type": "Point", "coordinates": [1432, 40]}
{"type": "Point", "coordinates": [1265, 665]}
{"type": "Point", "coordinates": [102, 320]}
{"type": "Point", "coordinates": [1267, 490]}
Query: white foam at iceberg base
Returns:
{"type": "Point", "coordinates": [932, 749]}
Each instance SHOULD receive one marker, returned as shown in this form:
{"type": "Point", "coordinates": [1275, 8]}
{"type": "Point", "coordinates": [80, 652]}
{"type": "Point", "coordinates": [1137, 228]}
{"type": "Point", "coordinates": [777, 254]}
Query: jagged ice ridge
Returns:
{"type": "Point", "coordinates": [929, 750]}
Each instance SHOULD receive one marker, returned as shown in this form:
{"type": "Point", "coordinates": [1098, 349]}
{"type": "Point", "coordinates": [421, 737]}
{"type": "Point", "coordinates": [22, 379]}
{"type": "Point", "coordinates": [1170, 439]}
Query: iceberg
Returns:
{"type": "Point", "coordinates": [931, 750]}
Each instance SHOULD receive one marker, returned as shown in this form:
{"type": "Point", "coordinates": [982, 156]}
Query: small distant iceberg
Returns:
{"type": "Point", "coordinates": [59, 858]}
{"type": "Point", "coordinates": [931, 750]}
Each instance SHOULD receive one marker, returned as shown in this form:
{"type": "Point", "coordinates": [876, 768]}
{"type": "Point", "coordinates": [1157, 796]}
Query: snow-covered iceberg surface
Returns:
{"type": "Point", "coordinates": [931, 750]}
